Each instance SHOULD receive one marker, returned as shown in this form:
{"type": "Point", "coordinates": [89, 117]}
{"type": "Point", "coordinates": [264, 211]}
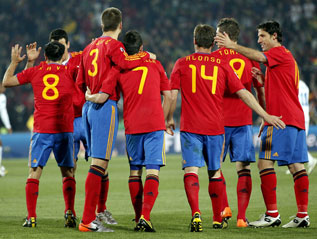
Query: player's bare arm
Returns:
{"type": "Point", "coordinates": [170, 124]}
{"type": "Point", "coordinates": [250, 101]}
{"type": "Point", "coordinates": [32, 53]}
{"type": "Point", "coordinates": [258, 75]}
{"type": "Point", "coordinates": [9, 79]}
{"type": "Point", "coordinates": [223, 40]}
{"type": "Point", "coordinates": [98, 98]}
{"type": "Point", "coordinates": [167, 102]}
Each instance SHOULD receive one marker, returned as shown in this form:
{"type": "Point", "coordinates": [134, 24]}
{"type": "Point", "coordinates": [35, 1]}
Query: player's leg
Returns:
{"type": "Point", "coordinates": [192, 146]}
{"type": "Point", "coordinates": [301, 182]}
{"type": "Point", "coordinates": [64, 154]}
{"type": "Point", "coordinates": [136, 190]}
{"type": "Point", "coordinates": [213, 151]}
{"type": "Point", "coordinates": [242, 153]}
{"type": "Point", "coordinates": [102, 129]}
{"type": "Point", "coordinates": [40, 149]}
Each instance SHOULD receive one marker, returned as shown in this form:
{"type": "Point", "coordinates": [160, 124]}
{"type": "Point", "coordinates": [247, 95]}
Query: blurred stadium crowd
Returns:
{"type": "Point", "coordinates": [166, 27]}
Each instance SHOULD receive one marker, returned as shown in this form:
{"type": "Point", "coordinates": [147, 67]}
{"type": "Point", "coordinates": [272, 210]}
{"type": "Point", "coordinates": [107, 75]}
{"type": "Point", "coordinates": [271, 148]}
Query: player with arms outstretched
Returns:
{"type": "Point", "coordinates": [203, 78]}
{"type": "Point", "coordinates": [53, 119]}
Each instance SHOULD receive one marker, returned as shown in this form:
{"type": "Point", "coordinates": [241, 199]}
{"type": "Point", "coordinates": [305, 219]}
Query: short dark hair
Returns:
{"type": "Point", "coordinates": [230, 26]}
{"type": "Point", "coordinates": [54, 50]}
{"type": "Point", "coordinates": [111, 18]}
{"type": "Point", "coordinates": [58, 34]}
{"type": "Point", "coordinates": [204, 35]}
{"type": "Point", "coordinates": [272, 27]}
{"type": "Point", "coordinates": [132, 42]}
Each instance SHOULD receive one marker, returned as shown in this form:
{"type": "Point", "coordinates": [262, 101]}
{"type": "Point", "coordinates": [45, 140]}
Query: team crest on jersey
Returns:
{"type": "Point", "coordinates": [121, 49]}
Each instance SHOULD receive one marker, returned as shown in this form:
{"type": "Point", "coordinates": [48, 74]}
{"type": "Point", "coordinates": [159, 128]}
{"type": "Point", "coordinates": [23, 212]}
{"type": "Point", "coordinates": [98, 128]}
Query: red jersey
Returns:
{"type": "Point", "coordinates": [235, 111]}
{"type": "Point", "coordinates": [79, 96]}
{"type": "Point", "coordinates": [203, 79]}
{"type": "Point", "coordinates": [97, 60]}
{"type": "Point", "coordinates": [53, 88]}
{"type": "Point", "coordinates": [281, 87]}
{"type": "Point", "coordinates": [141, 87]}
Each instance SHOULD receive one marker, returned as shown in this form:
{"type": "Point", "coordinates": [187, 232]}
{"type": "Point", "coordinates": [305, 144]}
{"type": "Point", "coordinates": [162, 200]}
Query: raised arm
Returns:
{"type": "Point", "coordinates": [9, 79]}
{"type": "Point", "coordinates": [223, 40]}
{"type": "Point", "coordinates": [32, 53]}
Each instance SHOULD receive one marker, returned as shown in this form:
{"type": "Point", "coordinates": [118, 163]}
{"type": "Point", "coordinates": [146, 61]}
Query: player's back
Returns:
{"type": "Point", "coordinates": [141, 89]}
{"type": "Point", "coordinates": [53, 89]}
{"type": "Point", "coordinates": [236, 112]}
{"type": "Point", "coordinates": [203, 79]}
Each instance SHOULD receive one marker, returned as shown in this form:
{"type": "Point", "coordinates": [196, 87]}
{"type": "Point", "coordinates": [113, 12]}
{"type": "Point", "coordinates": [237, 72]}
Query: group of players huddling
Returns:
{"type": "Point", "coordinates": [76, 95]}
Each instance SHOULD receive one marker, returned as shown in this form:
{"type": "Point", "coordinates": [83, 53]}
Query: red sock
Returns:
{"type": "Point", "coordinates": [301, 187]}
{"type": "Point", "coordinates": [215, 189]}
{"type": "Point", "coordinates": [136, 194]}
{"type": "Point", "coordinates": [191, 184]}
{"type": "Point", "coordinates": [244, 188]}
{"type": "Point", "coordinates": [268, 187]}
{"type": "Point", "coordinates": [149, 194]}
{"type": "Point", "coordinates": [103, 194]}
{"type": "Point", "coordinates": [92, 192]}
{"type": "Point", "coordinates": [31, 193]}
{"type": "Point", "coordinates": [225, 202]}
{"type": "Point", "coordinates": [69, 191]}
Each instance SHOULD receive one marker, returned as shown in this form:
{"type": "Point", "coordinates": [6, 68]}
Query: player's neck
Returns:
{"type": "Point", "coordinates": [54, 62]}
{"type": "Point", "coordinates": [202, 50]}
{"type": "Point", "coordinates": [112, 34]}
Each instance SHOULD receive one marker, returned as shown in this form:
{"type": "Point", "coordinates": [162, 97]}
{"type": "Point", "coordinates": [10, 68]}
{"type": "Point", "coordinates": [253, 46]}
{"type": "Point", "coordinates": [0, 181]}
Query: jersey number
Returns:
{"type": "Point", "coordinates": [143, 78]}
{"type": "Point", "coordinates": [49, 86]}
{"type": "Point", "coordinates": [240, 70]}
{"type": "Point", "coordinates": [204, 76]}
{"type": "Point", "coordinates": [94, 62]}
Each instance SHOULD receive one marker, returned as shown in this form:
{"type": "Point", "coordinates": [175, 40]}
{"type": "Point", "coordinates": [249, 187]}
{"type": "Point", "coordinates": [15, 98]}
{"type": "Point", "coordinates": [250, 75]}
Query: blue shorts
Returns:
{"type": "Point", "coordinates": [101, 127]}
{"type": "Point", "coordinates": [146, 149]}
{"type": "Point", "coordinates": [79, 135]}
{"type": "Point", "coordinates": [286, 146]}
{"type": "Point", "coordinates": [238, 140]}
{"type": "Point", "coordinates": [199, 149]}
{"type": "Point", "coordinates": [62, 145]}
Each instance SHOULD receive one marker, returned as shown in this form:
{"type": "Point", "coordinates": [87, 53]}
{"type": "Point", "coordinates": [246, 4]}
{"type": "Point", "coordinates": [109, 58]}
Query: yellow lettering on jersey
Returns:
{"type": "Point", "coordinates": [107, 41]}
{"type": "Point", "coordinates": [218, 61]}
{"type": "Point", "coordinates": [100, 42]}
{"type": "Point", "coordinates": [193, 58]}
{"type": "Point", "coordinates": [187, 58]}
{"type": "Point", "coordinates": [226, 52]}
{"type": "Point", "coordinates": [212, 59]}
{"type": "Point", "coordinates": [220, 52]}
{"type": "Point", "coordinates": [232, 52]}
{"type": "Point", "coordinates": [58, 67]}
{"type": "Point", "coordinates": [206, 58]}
{"type": "Point", "coordinates": [200, 58]}
{"type": "Point", "coordinates": [49, 68]}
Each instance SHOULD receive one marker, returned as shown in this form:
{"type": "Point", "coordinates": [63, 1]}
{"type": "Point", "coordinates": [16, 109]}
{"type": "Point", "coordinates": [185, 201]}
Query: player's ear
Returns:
{"type": "Point", "coordinates": [141, 48]}
{"type": "Point", "coordinates": [274, 36]}
{"type": "Point", "coordinates": [68, 45]}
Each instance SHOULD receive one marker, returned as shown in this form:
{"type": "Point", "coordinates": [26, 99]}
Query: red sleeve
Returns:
{"type": "Point", "coordinates": [25, 76]}
{"type": "Point", "coordinates": [274, 57]}
{"type": "Point", "coordinates": [109, 84]}
{"type": "Point", "coordinates": [234, 83]}
{"type": "Point", "coordinates": [121, 58]}
{"type": "Point", "coordinates": [164, 80]}
{"type": "Point", "coordinates": [176, 76]}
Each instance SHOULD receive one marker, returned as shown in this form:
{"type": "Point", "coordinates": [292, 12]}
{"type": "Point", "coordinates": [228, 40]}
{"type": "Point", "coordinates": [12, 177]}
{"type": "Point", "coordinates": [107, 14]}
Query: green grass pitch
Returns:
{"type": "Point", "coordinates": [171, 213]}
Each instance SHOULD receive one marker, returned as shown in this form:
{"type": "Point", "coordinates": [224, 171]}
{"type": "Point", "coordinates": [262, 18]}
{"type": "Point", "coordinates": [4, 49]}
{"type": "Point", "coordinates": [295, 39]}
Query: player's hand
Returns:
{"type": "Point", "coordinates": [261, 128]}
{"type": "Point", "coordinates": [275, 121]}
{"type": "Point", "coordinates": [258, 75]}
{"type": "Point", "coordinates": [31, 51]}
{"type": "Point", "coordinates": [223, 40]}
{"type": "Point", "coordinates": [87, 94]}
{"type": "Point", "coordinates": [152, 55]}
{"type": "Point", "coordinates": [170, 126]}
{"type": "Point", "coordinates": [16, 54]}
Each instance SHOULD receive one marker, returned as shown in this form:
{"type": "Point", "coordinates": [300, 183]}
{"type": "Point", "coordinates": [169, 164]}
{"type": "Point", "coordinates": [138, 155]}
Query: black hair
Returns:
{"type": "Point", "coordinates": [272, 27]}
{"type": "Point", "coordinates": [58, 34]}
{"type": "Point", "coordinates": [204, 35]}
{"type": "Point", "coordinates": [54, 51]}
{"type": "Point", "coordinates": [132, 42]}
{"type": "Point", "coordinates": [230, 26]}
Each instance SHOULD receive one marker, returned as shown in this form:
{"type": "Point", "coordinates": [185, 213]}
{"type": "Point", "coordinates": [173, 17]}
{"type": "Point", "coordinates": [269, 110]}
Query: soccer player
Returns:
{"type": "Point", "coordinates": [288, 146]}
{"type": "Point", "coordinates": [238, 121]}
{"type": "Point", "coordinates": [6, 121]}
{"type": "Point", "coordinates": [53, 119]}
{"type": "Point", "coordinates": [141, 89]}
{"type": "Point", "coordinates": [203, 78]}
{"type": "Point", "coordinates": [73, 59]}
{"type": "Point", "coordinates": [101, 121]}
